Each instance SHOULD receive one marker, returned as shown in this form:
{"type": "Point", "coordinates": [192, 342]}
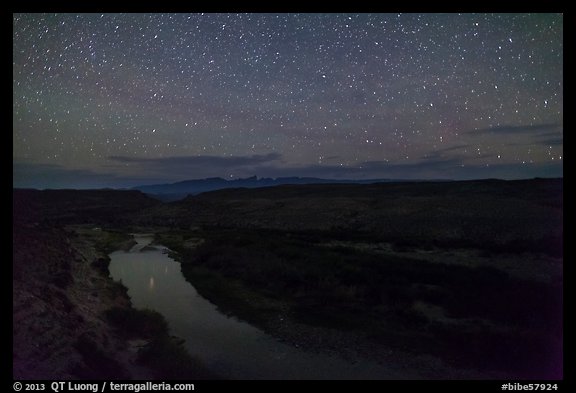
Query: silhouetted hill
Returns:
{"type": "Point", "coordinates": [514, 215]}
{"type": "Point", "coordinates": [75, 206]}
{"type": "Point", "coordinates": [179, 190]}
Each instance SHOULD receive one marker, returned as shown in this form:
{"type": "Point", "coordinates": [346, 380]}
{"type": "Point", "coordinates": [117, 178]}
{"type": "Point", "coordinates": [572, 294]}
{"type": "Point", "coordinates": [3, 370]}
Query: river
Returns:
{"type": "Point", "coordinates": [228, 346]}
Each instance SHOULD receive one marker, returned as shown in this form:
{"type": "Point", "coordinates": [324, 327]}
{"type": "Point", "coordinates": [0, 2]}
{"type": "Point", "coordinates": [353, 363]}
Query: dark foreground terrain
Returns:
{"type": "Point", "coordinates": [70, 320]}
{"type": "Point", "coordinates": [453, 280]}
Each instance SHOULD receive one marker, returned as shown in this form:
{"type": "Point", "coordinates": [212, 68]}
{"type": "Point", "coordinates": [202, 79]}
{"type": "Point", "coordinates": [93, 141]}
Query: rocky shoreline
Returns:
{"type": "Point", "coordinates": [351, 346]}
{"type": "Point", "coordinates": [60, 293]}
{"type": "Point", "coordinates": [357, 348]}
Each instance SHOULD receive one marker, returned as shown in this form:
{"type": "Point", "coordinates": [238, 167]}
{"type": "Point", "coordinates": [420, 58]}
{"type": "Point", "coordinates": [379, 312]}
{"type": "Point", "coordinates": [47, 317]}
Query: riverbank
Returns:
{"type": "Point", "coordinates": [72, 321]}
{"type": "Point", "coordinates": [59, 296]}
{"type": "Point", "coordinates": [431, 314]}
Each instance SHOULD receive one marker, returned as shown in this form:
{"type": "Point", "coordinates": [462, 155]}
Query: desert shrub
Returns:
{"type": "Point", "coordinates": [353, 289]}
{"type": "Point", "coordinates": [111, 240]}
{"type": "Point", "coordinates": [167, 357]}
{"type": "Point", "coordinates": [137, 323]}
{"type": "Point", "coordinates": [102, 264]}
{"type": "Point", "coordinates": [97, 363]}
{"type": "Point", "coordinates": [172, 361]}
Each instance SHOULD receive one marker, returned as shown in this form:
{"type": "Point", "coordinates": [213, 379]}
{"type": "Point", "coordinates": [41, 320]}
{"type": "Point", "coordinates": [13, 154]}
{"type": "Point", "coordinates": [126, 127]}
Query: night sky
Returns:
{"type": "Point", "coordinates": [117, 100]}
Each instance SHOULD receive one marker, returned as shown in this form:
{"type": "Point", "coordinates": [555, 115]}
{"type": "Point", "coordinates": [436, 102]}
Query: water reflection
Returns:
{"type": "Point", "coordinates": [232, 348]}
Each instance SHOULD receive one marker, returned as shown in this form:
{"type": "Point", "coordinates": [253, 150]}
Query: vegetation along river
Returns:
{"type": "Point", "coordinates": [229, 347]}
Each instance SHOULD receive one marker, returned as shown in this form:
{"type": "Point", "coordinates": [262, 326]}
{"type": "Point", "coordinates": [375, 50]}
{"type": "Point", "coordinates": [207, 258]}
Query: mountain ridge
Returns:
{"type": "Point", "coordinates": [181, 189]}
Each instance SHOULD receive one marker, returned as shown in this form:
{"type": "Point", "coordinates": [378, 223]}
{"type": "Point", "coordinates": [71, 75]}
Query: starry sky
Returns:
{"type": "Point", "coordinates": [118, 100]}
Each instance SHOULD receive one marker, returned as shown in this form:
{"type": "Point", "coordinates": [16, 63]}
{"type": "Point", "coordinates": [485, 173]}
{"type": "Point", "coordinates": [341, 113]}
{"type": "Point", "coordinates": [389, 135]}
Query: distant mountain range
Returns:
{"type": "Point", "coordinates": [179, 190]}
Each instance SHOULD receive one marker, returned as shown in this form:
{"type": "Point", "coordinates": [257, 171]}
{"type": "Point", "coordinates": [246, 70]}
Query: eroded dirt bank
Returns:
{"type": "Point", "coordinates": [61, 290]}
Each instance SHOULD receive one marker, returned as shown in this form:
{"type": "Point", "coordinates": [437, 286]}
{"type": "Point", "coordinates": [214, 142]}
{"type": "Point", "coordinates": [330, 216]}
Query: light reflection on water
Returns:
{"type": "Point", "coordinates": [230, 347]}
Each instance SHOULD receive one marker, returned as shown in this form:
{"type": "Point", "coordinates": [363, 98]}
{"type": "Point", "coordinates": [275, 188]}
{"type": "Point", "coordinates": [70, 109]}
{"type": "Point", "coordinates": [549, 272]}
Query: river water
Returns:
{"type": "Point", "coordinates": [228, 346]}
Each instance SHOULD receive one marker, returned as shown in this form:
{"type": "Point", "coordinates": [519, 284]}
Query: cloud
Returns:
{"type": "Point", "coordinates": [192, 167]}
{"type": "Point", "coordinates": [130, 171]}
{"type": "Point", "coordinates": [516, 129]}
{"type": "Point", "coordinates": [434, 168]}
{"type": "Point", "coordinates": [452, 148]}
{"type": "Point", "coordinates": [198, 161]}
{"type": "Point", "coordinates": [31, 175]}
{"type": "Point", "coordinates": [435, 161]}
{"type": "Point", "coordinates": [124, 171]}
{"type": "Point", "coordinates": [554, 134]}
{"type": "Point", "coordinates": [552, 142]}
